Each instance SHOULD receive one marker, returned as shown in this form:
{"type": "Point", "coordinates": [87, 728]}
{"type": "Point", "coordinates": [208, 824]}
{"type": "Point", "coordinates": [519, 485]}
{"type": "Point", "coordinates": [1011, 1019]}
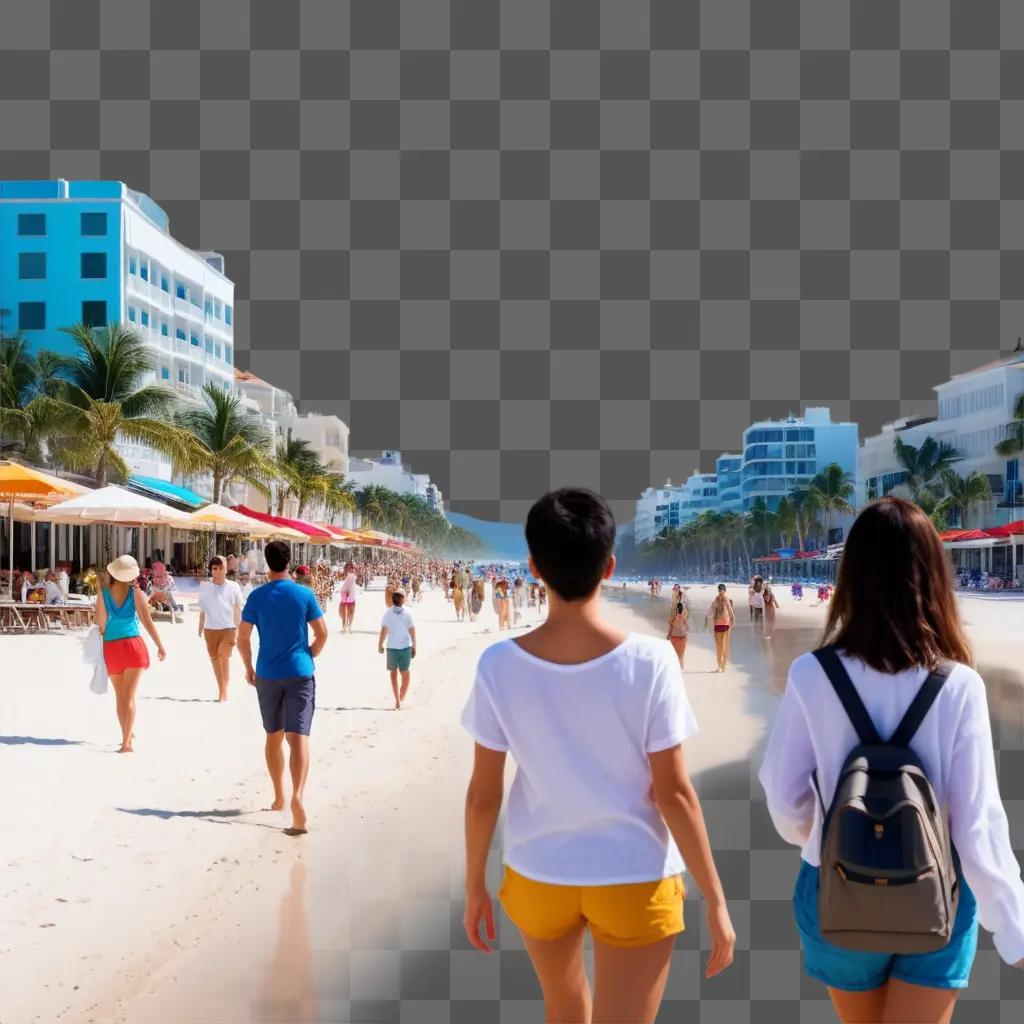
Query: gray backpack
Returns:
{"type": "Point", "coordinates": [888, 882]}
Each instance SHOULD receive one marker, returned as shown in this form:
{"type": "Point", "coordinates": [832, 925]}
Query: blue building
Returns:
{"type": "Point", "coordinates": [728, 470]}
{"type": "Point", "coordinates": [95, 252]}
{"type": "Point", "coordinates": [779, 455]}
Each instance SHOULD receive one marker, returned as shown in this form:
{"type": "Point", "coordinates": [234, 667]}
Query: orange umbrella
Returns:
{"type": "Point", "coordinates": [18, 482]}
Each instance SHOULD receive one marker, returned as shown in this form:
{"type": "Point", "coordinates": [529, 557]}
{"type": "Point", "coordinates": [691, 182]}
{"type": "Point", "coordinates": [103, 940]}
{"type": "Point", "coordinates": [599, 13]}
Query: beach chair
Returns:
{"type": "Point", "coordinates": [11, 620]}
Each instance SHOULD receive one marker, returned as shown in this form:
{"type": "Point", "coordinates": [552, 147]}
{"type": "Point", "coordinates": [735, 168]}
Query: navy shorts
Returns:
{"type": "Point", "coordinates": [287, 704]}
{"type": "Point", "coordinates": [856, 971]}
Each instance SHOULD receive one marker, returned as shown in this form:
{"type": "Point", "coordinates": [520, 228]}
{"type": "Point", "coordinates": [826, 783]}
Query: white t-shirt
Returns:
{"type": "Point", "coordinates": [756, 599]}
{"type": "Point", "coordinates": [398, 621]}
{"type": "Point", "coordinates": [217, 602]}
{"type": "Point", "coordinates": [579, 812]}
{"type": "Point", "coordinates": [954, 743]}
{"type": "Point", "coordinates": [349, 587]}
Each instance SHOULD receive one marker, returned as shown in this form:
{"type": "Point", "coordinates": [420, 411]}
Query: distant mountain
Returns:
{"type": "Point", "coordinates": [504, 541]}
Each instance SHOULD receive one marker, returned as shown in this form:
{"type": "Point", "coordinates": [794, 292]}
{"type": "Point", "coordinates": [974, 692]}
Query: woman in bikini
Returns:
{"type": "Point", "coordinates": [679, 628]}
{"type": "Point", "coordinates": [724, 618]}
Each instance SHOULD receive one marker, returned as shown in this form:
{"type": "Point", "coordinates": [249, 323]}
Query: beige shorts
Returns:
{"type": "Point", "coordinates": [219, 642]}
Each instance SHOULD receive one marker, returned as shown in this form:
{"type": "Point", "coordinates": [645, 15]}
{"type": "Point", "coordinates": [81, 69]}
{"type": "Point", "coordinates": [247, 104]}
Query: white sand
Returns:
{"type": "Point", "coordinates": [110, 915]}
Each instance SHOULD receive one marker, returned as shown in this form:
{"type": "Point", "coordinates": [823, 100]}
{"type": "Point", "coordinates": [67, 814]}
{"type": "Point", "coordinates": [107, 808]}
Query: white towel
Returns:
{"type": "Point", "coordinates": [92, 654]}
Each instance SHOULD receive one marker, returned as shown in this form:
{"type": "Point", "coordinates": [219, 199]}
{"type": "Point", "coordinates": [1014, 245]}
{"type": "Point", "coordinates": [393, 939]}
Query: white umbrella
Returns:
{"type": "Point", "coordinates": [113, 505]}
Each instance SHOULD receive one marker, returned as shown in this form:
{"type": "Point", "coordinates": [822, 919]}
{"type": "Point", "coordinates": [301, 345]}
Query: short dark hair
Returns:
{"type": "Point", "coordinates": [216, 560]}
{"type": "Point", "coordinates": [277, 555]}
{"type": "Point", "coordinates": [894, 606]}
{"type": "Point", "coordinates": [571, 535]}
{"type": "Point", "coordinates": [397, 599]}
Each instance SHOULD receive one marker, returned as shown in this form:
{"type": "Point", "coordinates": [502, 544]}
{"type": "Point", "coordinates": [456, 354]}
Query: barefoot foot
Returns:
{"type": "Point", "coordinates": [277, 805]}
{"type": "Point", "coordinates": [298, 818]}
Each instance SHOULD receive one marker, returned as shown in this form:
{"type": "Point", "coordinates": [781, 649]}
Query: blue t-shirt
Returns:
{"type": "Point", "coordinates": [280, 610]}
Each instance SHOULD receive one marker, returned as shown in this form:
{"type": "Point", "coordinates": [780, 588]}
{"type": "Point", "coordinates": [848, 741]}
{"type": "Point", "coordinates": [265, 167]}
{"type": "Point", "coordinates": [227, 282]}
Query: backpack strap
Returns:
{"type": "Point", "coordinates": [920, 705]}
{"type": "Point", "coordinates": [848, 696]}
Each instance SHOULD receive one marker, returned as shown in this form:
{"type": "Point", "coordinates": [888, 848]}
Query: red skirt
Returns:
{"type": "Point", "coordinates": [131, 652]}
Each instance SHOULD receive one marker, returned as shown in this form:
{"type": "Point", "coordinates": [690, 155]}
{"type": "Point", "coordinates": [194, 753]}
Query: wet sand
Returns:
{"type": "Point", "coordinates": [205, 922]}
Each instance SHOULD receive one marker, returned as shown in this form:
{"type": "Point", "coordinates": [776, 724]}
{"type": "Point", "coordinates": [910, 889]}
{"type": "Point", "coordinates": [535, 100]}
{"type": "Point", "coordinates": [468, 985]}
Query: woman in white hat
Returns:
{"type": "Point", "coordinates": [118, 613]}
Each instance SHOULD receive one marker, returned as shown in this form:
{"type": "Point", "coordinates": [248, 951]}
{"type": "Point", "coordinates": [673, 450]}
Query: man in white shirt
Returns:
{"type": "Point", "coordinates": [54, 594]}
{"type": "Point", "coordinates": [220, 611]}
{"type": "Point", "coordinates": [399, 627]}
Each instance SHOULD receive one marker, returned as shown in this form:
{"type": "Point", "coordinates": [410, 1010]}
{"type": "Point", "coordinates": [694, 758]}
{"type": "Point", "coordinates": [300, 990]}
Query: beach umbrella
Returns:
{"type": "Point", "coordinates": [227, 520]}
{"type": "Point", "coordinates": [114, 505]}
{"type": "Point", "coordinates": [19, 482]}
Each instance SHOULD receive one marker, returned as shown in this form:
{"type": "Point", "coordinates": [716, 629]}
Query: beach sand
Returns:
{"type": "Point", "coordinates": [152, 888]}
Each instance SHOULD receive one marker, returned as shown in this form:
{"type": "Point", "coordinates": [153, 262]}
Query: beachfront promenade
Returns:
{"type": "Point", "coordinates": [152, 888]}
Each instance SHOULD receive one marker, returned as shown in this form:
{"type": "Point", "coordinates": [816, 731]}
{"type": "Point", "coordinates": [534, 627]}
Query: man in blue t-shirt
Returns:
{"type": "Point", "coordinates": [282, 610]}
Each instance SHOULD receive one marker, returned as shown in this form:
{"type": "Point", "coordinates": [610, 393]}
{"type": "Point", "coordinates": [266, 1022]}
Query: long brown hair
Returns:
{"type": "Point", "coordinates": [894, 605]}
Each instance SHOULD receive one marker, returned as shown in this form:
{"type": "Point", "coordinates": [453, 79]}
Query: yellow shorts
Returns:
{"type": "Point", "coordinates": [634, 914]}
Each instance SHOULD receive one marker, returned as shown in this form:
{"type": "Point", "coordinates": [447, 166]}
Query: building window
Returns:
{"type": "Point", "coordinates": [228, 354]}
{"type": "Point", "coordinates": [208, 307]}
{"type": "Point", "coordinates": [163, 329]}
{"type": "Point", "coordinates": [145, 318]}
{"type": "Point", "coordinates": [165, 374]}
{"type": "Point", "coordinates": [164, 284]}
{"type": "Point", "coordinates": [227, 314]}
{"type": "Point", "coordinates": [94, 224]}
{"type": "Point", "coordinates": [31, 266]}
{"type": "Point", "coordinates": [216, 350]}
{"type": "Point", "coordinates": [181, 376]}
{"type": "Point", "coordinates": [133, 266]}
{"type": "Point", "coordinates": [195, 341]}
{"type": "Point", "coordinates": [181, 335]}
{"type": "Point", "coordinates": [94, 313]}
{"type": "Point", "coordinates": [94, 264]}
{"type": "Point", "coordinates": [180, 291]}
{"type": "Point", "coordinates": [131, 313]}
{"type": "Point", "coordinates": [209, 347]}
{"type": "Point", "coordinates": [144, 271]}
{"type": "Point", "coordinates": [32, 316]}
{"type": "Point", "coordinates": [31, 224]}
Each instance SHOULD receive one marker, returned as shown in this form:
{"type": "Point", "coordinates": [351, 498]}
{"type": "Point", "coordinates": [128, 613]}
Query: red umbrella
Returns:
{"type": "Point", "coordinates": [314, 533]}
{"type": "Point", "coordinates": [1009, 530]}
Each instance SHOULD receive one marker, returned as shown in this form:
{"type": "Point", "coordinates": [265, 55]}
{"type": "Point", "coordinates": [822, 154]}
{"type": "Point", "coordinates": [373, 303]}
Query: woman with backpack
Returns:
{"type": "Point", "coordinates": [881, 767]}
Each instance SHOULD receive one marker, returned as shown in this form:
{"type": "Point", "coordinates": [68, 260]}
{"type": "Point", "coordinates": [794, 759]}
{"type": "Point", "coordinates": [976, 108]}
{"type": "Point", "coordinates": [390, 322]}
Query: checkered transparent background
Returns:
{"type": "Point", "coordinates": [539, 242]}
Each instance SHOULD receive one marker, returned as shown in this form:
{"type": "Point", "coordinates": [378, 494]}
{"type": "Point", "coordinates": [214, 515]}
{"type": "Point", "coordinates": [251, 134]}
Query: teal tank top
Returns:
{"type": "Point", "coordinates": [122, 622]}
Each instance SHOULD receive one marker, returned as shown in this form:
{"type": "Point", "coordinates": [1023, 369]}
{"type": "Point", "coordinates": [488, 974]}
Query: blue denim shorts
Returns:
{"type": "Point", "coordinates": [855, 971]}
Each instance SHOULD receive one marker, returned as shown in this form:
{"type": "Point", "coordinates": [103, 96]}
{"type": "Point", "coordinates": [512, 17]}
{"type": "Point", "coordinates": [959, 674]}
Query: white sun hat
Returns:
{"type": "Point", "coordinates": [124, 569]}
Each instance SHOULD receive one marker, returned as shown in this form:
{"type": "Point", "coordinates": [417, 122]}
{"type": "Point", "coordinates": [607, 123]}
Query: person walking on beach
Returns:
{"type": "Point", "coordinates": [894, 669]}
{"type": "Point", "coordinates": [518, 591]}
{"type": "Point", "coordinates": [723, 618]}
{"type": "Point", "coordinates": [585, 846]}
{"type": "Point", "coordinates": [771, 605]}
{"type": "Point", "coordinates": [118, 615]}
{"type": "Point", "coordinates": [220, 611]}
{"type": "Point", "coordinates": [476, 598]}
{"type": "Point", "coordinates": [398, 628]}
{"type": "Point", "coordinates": [349, 589]}
{"type": "Point", "coordinates": [282, 611]}
{"type": "Point", "coordinates": [678, 629]}
{"type": "Point", "coordinates": [458, 598]}
{"type": "Point", "coordinates": [755, 599]}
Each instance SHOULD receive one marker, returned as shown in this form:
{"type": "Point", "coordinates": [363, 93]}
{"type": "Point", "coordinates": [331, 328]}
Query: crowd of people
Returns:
{"type": "Point", "coordinates": [609, 855]}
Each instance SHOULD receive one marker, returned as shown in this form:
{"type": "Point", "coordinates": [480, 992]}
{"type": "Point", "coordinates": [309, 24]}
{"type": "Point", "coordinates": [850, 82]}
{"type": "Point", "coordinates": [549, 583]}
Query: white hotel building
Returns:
{"type": "Point", "coordinates": [974, 409]}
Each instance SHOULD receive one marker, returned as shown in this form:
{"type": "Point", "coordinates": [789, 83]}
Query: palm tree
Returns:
{"type": "Point", "coordinates": [234, 446]}
{"type": "Point", "coordinates": [962, 492]}
{"type": "Point", "coordinates": [102, 400]}
{"type": "Point", "coordinates": [761, 520]}
{"type": "Point", "coordinates": [297, 464]}
{"type": "Point", "coordinates": [1013, 445]}
{"type": "Point", "coordinates": [24, 377]}
{"type": "Point", "coordinates": [786, 521]}
{"type": "Point", "coordinates": [835, 486]}
{"type": "Point", "coordinates": [924, 465]}
{"type": "Point", "coordinates": [373, 502]}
